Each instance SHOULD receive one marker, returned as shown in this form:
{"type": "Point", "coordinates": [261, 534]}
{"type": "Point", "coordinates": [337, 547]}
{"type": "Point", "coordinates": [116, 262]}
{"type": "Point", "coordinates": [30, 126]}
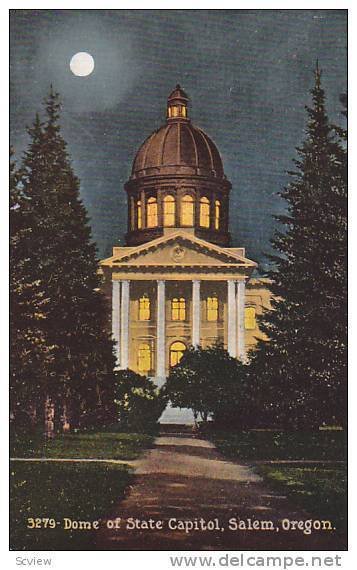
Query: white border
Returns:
{"type": "Point", "coordinates": [158, 560]}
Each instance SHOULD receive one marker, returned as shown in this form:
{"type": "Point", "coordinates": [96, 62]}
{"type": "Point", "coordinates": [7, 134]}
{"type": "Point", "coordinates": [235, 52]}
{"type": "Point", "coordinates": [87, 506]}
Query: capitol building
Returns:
{"type": "Point", "coordinates": [178, 281]}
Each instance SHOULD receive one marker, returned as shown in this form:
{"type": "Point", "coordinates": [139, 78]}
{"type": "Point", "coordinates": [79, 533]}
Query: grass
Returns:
{"type": "Point", "coordinates": [78, 491]}
{"type": "Point", "coordinates": [320, 489]}
{"type": "Point", "coordinates": [101, 445]}
{"type": "Point", "coordinates": [277, 445]}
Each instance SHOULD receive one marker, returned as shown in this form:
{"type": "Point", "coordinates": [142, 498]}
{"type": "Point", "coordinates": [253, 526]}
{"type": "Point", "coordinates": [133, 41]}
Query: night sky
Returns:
{"type": "Point", "coordinates": [247, 72]}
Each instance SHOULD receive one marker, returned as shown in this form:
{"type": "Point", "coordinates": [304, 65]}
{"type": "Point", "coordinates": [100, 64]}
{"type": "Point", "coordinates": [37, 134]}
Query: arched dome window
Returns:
{"type": "Point", "coordinates": [217, 215]}
{"type": "Point", "coordinates": [187, 210]}
{"type": "Point", "coordinates": [178, 309]}
{"type": "Point", "coordinates": [144, 357]}
{"type": "Point", "coordinates": [204, 212]}
{"type": "Point", "coordinates": [139, 215]}
{"type": "Point", "coordinates": [169, 211]}
{"type": "Point", "coordinates": [176, 352]}
{"type": "Point", "coordinates": [152, 213]}
{"type": "Point", "coordinates": [144, 308]}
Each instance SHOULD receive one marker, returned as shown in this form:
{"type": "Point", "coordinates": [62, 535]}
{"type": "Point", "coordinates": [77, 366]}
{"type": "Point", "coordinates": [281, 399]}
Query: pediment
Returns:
{"type": "Point", "coordinates": [177, 250]}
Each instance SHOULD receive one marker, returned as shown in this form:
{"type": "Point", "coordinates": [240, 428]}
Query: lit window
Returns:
{"type": "Point", "coordinates": [144, 308]}
{"type": "Point", "coordinates": [169, 211]}
{"type": "Point", "coordinates": [187, 211]}
{"type": "Point", "coordinates": [132, 214]}
{"type": "Point", "coordinates": [139, 217]}
{"type": "Point", "coordinates": [178, 309]}
{"type": "Point", "coordinates": [212, 309]}
{"type": "Point", "coordinates": [204, 212]}
{"type": "Point", "coordinates": [152, 213]}
{"type": "Point", "coordinates": [177, 111]}
{"type": "Point", "coordinates": [176, 352]}
{"type": "Point", "coordinates": [144, 357]}
{"type": "Point", "coordinates": [217, 214]}
{"type": "Point", "coordinates": [249, 318]}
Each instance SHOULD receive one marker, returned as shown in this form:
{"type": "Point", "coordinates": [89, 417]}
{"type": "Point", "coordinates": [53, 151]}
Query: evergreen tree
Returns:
{"type": "Point", "coordinates": [27, 304]}
{"type": "Point", "coordinates": [301, 370]}
{"type": "Point", "coordinates": [63, 257]}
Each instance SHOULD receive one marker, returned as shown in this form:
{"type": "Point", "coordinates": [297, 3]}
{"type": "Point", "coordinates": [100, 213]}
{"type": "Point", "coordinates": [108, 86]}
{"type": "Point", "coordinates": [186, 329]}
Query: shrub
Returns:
{"type": "Point", "coordinates": [139, 402]}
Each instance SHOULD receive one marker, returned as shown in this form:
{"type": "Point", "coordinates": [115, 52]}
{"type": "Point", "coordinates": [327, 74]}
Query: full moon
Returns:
{"type": "Point", "coordinates": [82, 64]}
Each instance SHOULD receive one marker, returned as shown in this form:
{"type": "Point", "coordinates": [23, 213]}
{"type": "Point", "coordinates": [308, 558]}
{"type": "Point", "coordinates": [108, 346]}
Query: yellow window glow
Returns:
{"type": "Point", "coordinates": [152, 213]}
{"type": "Point", "coordinates": [169, 211]}
{"type": "Point", "coordinates": [187, 210]}
{"type": "Point", "coordinates": [217, 214]}
{"type": "Point", "coordinates": [204, 212]}
{"type": "Point", "coordinates": [176, 111]}
{"type": "Point", "coordinates": [212, 309]}
{"type": "Point", "coordinates": [132, 213]}
{"type": "Point", "coordinates": [144, 308]}
{"type": "Point", "coordinates": [144, 357]}
{"type": "Point", "coordinates": [139, 217]}
{"type": "Point", "coordinates": [249, 318]}
{"type": "Point", "coordinates": [178, 309]}
{"type": "Point", "coordinates": [176, 352]}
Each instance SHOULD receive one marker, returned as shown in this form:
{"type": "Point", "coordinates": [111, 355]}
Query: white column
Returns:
{"type": "Point", "coordinates": [116, 319]}
{"type": "Point", "coordinates": [232, 321]}
{"type": "Point", "coordinates": [160, 335]}
{"type": "Point", "coordinates": [240, 319]}
{"type": "Point", "coordinates": [124, 328]}
{"type": "Point", "coordinates": [196, 313]}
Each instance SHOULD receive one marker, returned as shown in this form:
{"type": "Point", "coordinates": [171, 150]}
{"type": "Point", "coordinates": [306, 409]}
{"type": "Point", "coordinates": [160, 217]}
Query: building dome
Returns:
{"type": "Point", "coordinates": [178, 148]}
{"type": "Point", "coordinates": [177, 181]}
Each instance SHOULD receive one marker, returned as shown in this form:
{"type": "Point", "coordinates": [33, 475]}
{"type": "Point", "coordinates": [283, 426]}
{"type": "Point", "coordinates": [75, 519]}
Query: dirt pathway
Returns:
{"type": "Point", "coordinates": [186, 484]}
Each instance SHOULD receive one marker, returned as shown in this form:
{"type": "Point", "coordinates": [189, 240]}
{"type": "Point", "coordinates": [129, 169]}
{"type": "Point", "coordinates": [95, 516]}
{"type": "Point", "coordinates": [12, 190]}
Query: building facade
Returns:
{"type": "Point", "coordinates": [178, 281]}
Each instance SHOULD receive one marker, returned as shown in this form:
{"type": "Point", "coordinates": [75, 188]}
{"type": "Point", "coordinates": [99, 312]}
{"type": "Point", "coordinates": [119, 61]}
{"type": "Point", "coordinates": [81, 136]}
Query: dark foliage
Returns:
{"type": "Point", "coordinates": [61, 263]}
{"type": "Point", "coordinates": [28, 354]}
{"type": "Point", "coordinates": [300, 373]}
{"type": "Point", "coordinates": [139, 403]}
{"type": "Point", "coordinates": [213, 384]}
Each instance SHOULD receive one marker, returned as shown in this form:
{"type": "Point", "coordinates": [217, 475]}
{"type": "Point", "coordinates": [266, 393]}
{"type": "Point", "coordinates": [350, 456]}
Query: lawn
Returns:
{"type": "Point", "coordinates": [320, 489]}
{"type": "Point", "coordinates": [82, 491]}
{"type": "Point", "coordinates": [329, 445]}
{"type": "Point", "coordinates": [101, 445]}
{"type": "Point", "coordinates": [73, 490]}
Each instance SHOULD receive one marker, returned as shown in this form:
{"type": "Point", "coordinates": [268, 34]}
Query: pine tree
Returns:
{"type": "Point", "coordinates": [27, 304]}
{"type": "Point", "coordinates": [63, 256]}
{"type": "Point", "coordinates": [302, 366]}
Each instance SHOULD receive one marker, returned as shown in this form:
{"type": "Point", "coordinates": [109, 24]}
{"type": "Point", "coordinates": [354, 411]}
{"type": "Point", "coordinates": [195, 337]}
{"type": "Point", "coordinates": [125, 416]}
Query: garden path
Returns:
{"type": "Point", "coordinates": [184, 478]}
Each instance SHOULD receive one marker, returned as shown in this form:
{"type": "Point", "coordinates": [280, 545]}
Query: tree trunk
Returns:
{"type": "Point", "coordinates": [49, 418]}
{"type": "Point", "coordinates": [66, 426]}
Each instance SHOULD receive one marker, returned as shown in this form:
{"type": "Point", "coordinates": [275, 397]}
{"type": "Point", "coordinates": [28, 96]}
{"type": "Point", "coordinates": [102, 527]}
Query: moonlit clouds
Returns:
{"type": "Point", "coordinates": [107, 44]}
{"type": "Point", "coordinates": [247, 72]}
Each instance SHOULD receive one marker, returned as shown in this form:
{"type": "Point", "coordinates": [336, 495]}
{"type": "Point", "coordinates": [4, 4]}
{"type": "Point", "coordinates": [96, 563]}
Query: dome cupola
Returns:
{"type": "Point", "coordinates": [177, 104]}
{"type": "Point", "coordinates": [178, 181]}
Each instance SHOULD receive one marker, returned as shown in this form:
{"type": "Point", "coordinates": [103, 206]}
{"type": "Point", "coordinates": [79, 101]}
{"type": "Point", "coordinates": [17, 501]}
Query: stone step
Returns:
{"type": "Point", "coordinates": [177, 416]}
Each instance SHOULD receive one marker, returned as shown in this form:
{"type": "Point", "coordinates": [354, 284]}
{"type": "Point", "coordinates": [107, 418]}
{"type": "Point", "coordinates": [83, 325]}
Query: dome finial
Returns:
{"type": "Point", "coordinates": [177, 104]}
